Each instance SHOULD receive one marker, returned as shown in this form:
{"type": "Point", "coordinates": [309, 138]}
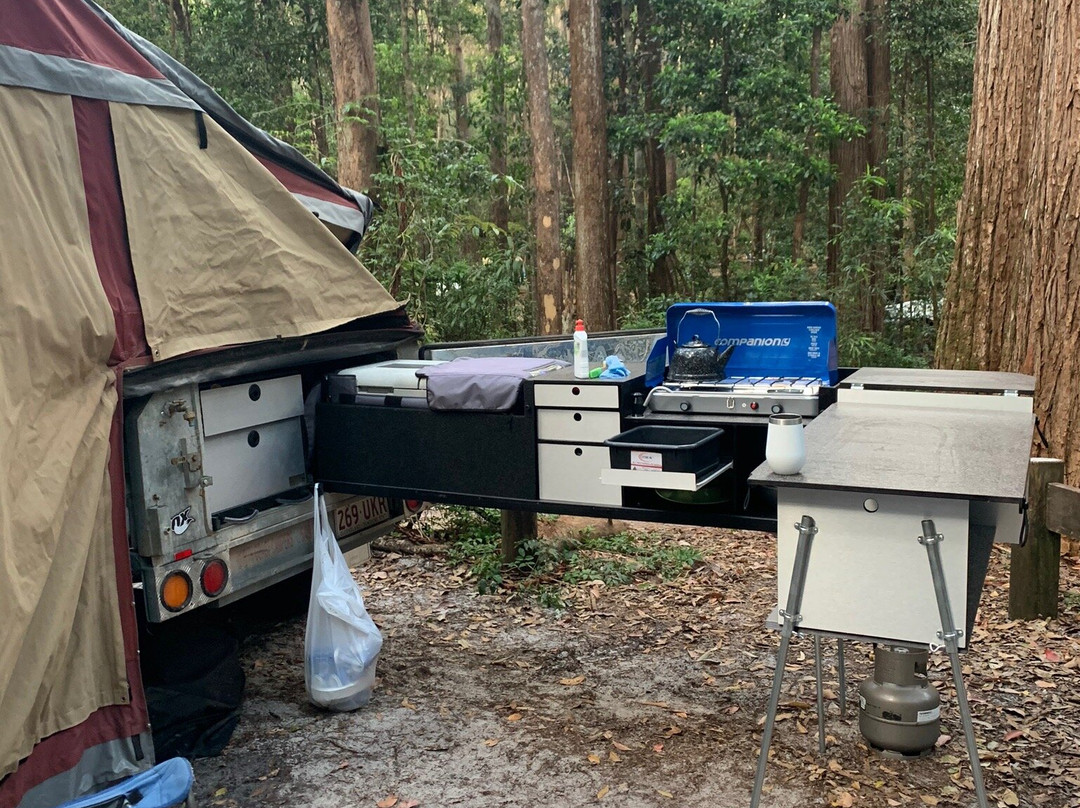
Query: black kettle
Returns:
{"type": "Point", "coordinates": [695, 361]}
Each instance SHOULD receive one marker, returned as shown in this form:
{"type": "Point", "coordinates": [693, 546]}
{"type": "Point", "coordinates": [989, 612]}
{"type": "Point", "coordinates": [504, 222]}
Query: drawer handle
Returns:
{"type": "Point", "coordinates": [253, 438]}
{"type": "Point", "coordinates": [578, 452]}
{"type": "Point", "coordinates": [254, 392]}
{"type": "Point", "coordinates": [577, 416]}
{"type": "Point", "coordinates": [576, 391]}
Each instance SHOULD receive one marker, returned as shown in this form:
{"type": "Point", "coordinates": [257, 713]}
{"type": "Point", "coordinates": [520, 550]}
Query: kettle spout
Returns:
{"type": "Point", "coordinates": [722, 358]}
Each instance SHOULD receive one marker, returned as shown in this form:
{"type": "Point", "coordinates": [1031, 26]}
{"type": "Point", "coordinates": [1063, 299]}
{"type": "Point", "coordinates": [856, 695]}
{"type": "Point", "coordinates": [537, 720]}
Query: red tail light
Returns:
{"type": "Point", "coordinates": [413, 505]}
{"type": "Point", "coordinates": [214, 577]}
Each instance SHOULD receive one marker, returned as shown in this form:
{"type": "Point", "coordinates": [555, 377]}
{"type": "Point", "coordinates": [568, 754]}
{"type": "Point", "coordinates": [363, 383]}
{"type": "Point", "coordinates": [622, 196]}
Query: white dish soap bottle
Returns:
{"type": "Point", "coordinates": [581, 351]}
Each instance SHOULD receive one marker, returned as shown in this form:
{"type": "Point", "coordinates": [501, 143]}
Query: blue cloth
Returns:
{"type": "Point", "coordinates": [614, 369]}
{"type": "Point", "coordinates": [167, 784]}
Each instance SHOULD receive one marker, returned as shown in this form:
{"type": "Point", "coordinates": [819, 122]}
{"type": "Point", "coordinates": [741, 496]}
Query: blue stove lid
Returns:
{"type": "Point", "coordinates": [771, 339]}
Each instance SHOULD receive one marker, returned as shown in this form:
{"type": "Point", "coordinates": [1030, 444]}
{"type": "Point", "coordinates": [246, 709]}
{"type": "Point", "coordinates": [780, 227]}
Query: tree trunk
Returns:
{"type": "Point", "coordinates": [662, 272]}
{"type": "Point", "coordinates": [725, 242]}
{"type": "Point", "coordinates": [500, 211]}
{"type": "Point", "coordinates": [931, 206]}
{"type": "Point", "coordinates": [548, 282]}
{"type": "Point", "coordinates": [356, 91]}
{"type": "Point", "coordinates": [315, 76]}
{"type": "Point", "coordinates": [878, 97]}
{"type": "Point", "coordinates": [1046, 340]}
{"type": "Point", "coordinates": [847, 77]}
{"type": "Point", "coordinates": [517, 526]}
{"type": "Point", "coordinates": [406, 66]}
{"type": "Point", "coordinates": [1013, 297]}
{"type": "Point", "coordinates": [799, 229]}
{"type": "Point", "coordinates": [181, 21]}
{"type": "Point", "coordinates": [983, 286]}
{"type": "Point", "coordinates": [593, 267]}
{"type": "Point", "coordinates": [459, 89]}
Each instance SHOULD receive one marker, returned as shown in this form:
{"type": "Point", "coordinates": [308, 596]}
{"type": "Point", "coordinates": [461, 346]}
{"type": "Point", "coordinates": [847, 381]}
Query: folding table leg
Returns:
{"type": "Point", "coordinates": [950, 635]}
{"type": "Point", "coordinates": [789, 617]}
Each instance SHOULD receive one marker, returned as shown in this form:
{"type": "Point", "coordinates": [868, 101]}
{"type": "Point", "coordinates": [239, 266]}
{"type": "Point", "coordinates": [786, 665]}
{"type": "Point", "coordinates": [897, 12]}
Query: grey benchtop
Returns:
{"type": "Point", "coordinates": [923, 451]}
{"type": "Point", "coordinates": [960, 381]}
{"type": "Point", "coordinates": [566, 375]}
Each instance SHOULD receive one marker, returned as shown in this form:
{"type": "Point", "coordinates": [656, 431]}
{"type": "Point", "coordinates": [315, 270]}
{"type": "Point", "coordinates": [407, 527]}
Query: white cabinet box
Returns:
{"type": "Point", "coordinates": [253, 444]}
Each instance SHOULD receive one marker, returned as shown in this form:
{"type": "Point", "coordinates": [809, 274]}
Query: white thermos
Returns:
{"type": "Point", "coordinates": [785, 445]}
{"type": "Point", "coordinates": [581, 351]}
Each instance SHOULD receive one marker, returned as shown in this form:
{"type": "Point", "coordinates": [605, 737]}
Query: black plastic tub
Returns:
{"type": "Point", "coordinates": [693, 449]}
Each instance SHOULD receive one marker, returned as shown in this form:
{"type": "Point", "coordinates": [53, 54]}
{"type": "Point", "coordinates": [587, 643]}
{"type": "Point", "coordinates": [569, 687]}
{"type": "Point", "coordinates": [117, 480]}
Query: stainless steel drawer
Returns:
{"type": "Point", "coordinates": [586, 395]}
{"type": "Point", "coordinates": [239, 406]}
{"type": "Point", "coordinates": [250, 464]}
{"type": "Point", "coordinates": [571, 473]}
{"type": "Point", "coordinates": [579, 426]}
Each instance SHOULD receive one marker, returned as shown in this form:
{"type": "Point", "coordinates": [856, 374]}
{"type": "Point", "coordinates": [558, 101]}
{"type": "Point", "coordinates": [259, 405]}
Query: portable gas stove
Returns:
{"type": "Point", "coordinates": [784, 354]}
{"type": "Point", "coordinates": [738, 395]}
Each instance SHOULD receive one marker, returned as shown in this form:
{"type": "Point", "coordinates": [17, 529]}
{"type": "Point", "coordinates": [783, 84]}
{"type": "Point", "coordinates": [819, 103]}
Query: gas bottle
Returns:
{"type": "Point", "coordinates": [899, 710]}
{"type": "Point", "coordinates": [581, 351]}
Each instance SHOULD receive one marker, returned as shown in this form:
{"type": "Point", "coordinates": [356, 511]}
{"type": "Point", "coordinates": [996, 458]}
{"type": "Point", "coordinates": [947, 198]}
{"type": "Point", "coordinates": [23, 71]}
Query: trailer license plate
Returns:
{"type": "Point", "coordinates": [356, 514]}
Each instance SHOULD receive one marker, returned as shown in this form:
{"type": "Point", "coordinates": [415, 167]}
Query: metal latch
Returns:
{"type": "Point", "coordinates": [190, 463]}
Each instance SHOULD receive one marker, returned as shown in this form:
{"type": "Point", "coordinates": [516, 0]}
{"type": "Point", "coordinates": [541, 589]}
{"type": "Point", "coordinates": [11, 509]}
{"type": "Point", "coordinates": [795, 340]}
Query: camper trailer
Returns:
{"type": "Point", "coordinates": [176, 286]}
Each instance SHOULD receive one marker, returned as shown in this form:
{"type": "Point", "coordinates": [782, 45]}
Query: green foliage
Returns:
{"type": "Point", "coordinates": [544, 570]}
{"type": "Point", "coordinates": [732, 107]}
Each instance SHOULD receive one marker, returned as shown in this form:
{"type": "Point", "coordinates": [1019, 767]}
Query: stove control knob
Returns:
{"type": "Point", "coordinates": [777, 408]}
{"type": "Point", "coordinates": [685, 406]}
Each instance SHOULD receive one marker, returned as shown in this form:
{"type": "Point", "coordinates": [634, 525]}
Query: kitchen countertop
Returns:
{"type": "Point", "coordinates": [959, 381]}
{"type": "Point", "coordinates": [566, 375]}
{"type": "Point", "coordinates": [924, 451]}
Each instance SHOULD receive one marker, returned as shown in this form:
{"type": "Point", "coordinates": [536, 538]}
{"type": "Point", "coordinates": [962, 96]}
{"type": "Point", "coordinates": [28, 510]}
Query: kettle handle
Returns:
{"type": "Point", "coordinates": [697, 313]}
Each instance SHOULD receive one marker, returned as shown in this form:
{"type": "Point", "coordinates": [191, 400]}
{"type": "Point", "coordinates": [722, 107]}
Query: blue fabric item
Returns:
{"type": "Point", "coordinates": [614, 369]}
{"type": "Point", "coordinates": [164, 786]}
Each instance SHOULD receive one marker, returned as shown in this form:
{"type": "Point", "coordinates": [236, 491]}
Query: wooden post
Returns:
{"type": "Point", "coordinates": [517, 526]}
{"type": "Point", "coordinates": [1033, 570]}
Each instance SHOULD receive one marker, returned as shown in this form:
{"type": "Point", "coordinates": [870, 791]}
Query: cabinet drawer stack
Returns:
{"type": "Point", "coordinates": [572, 423]}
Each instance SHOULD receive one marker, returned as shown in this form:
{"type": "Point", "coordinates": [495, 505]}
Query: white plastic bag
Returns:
{"type": "Point", "coordinates": [342, 643]}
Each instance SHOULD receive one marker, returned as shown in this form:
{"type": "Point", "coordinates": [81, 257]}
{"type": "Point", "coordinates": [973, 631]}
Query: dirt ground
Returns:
{"type": "Point", "coordinates": [651, 694]}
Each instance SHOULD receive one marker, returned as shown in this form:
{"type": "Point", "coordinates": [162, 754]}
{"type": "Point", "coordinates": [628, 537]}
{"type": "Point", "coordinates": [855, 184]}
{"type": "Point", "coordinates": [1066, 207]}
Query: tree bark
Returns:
{"type": "Point", "coordinates": [406, 65]}
{"type": "Point", "coordinates": [1013, 296]}
{"type": "Point", "coordinates": [548, 282]}
{"type": "Point", "coordinates": [847, 77]}
{"type": "Point", "coordinates": [517, 526]}
{"type": "Point", "coordinates": [878, 84]}
{"type": "Point", "coordinates": [662, 271]}
{"type": "Point", "coordinates": [459, 89]}
{"type": "Point", "coordinates": [500, 211]}
{"type": "Point", "coordinates": [982, 292]}
{"type": "Point", "coordinates": [593, 267]}
{"type": "Point", "coordinates": [1046, 339]}
{"type": "Point", "coordinates": [799, 228]}
{"type": "Point", "coordinates": [356, 91]}
{"type": "Point", "coordinates": [315, 76]}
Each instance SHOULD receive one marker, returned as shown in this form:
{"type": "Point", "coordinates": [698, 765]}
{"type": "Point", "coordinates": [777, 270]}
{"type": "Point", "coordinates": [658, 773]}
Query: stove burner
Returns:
{"type": "Point", "coordinates": [738, 395]}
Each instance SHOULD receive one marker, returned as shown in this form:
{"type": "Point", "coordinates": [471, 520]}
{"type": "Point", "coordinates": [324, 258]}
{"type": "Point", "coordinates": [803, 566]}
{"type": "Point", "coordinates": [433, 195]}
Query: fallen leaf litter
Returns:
{"type": "Point", "coordinates": [493, 700]}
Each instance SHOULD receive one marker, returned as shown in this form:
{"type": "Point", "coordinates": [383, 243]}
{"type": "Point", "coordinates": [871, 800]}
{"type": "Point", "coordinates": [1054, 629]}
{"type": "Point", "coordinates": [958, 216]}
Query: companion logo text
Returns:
{"type": "Point", "coordinates": [757, 342]}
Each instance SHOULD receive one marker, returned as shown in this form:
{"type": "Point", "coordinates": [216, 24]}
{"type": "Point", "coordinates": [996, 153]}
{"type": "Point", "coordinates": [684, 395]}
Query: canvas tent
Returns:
{"type": "Point", "coordinates": [141, 219]}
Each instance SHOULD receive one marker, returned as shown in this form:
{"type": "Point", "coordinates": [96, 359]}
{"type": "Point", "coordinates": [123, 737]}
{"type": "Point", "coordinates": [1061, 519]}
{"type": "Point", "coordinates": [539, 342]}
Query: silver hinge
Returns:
{"type": "Point", "coordinates": [856, 386]}
{"type": "Point", "coordinates": [1012, 393]}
